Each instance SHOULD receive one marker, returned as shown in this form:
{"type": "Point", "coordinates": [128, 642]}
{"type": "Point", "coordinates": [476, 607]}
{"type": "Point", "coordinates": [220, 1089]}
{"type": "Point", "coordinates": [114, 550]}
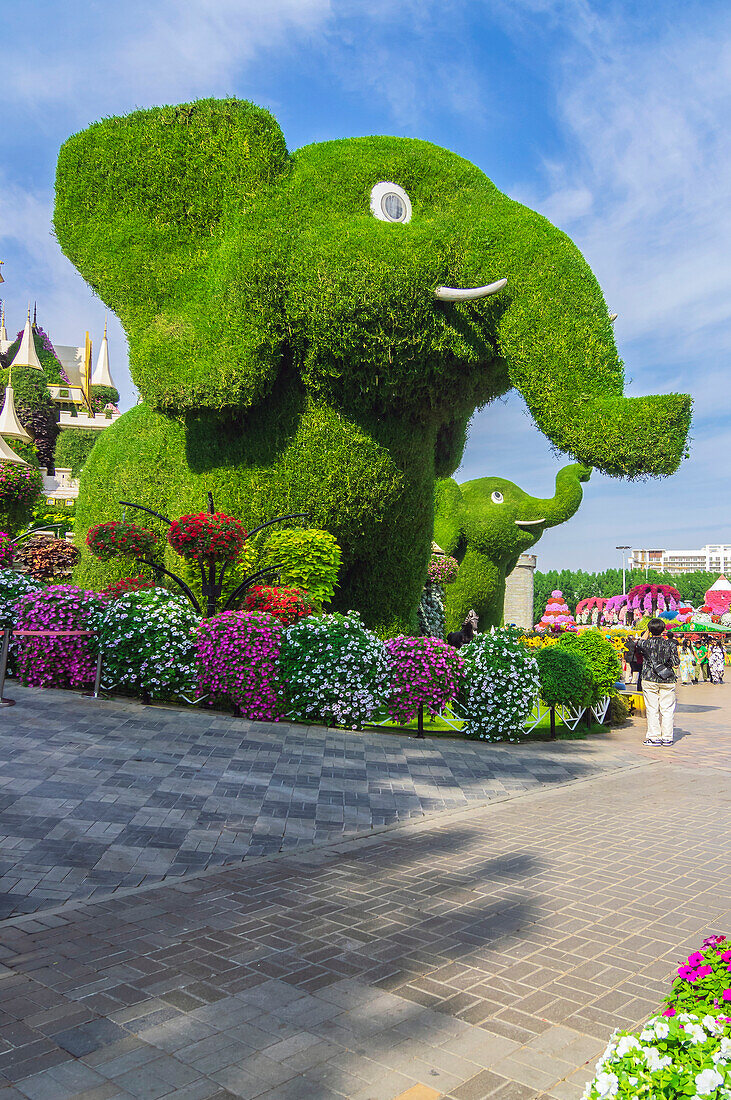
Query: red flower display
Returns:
{"type": "Point", "coordinates": [127, 584]}
{"type": "Point", "coordinates": [289, 605]}
{"type": "Point", "coordinates": [121, 539]}
{"type": "Point", "coordinates": [207, 537]}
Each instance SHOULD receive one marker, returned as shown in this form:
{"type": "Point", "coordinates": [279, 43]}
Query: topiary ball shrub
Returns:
{"type": "Point", "coordinates": [65, 661]}
{"type": "Point", "coordinates": [12, 586]}
{"type": "Point", "coordinates": [288, 605]}
{"type": "Point", "coordinates": [431, 613]}
{"type": "Point", "coordinates": [308, 559]}
{"type": "Point", "coordinates": [424, 672]}
{"type": "Point", "coordinates": [237, 655]}
{"type": "Point", "coordinates": [7, 550]}
{"type": "Point", "coordinates": [703, 983]}
{"type": "Point", "coordinates": [564, 677]}
{"type": "Point", "coordinates": [686, 1055]}
{"type": "Point", "coordinates": [605, 667]}
{"type": "Point", "coordinates": [148, 643]}
{"type": "Point", "coordinates": [499, 687]}
{"type": "Point", "coordinates": [334, 671]}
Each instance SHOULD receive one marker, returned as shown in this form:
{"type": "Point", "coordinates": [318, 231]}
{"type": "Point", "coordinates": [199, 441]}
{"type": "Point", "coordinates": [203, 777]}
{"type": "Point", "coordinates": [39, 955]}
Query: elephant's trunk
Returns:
{"type": "Point", "coordinates": [567, 498]}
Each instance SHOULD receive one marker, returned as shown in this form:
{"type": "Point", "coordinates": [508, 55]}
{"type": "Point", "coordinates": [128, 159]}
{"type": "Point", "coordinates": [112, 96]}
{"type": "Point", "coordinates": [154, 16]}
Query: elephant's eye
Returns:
{"type": "Point", "coordinates": [390, 203]}
{"type": "Point", "coordinates": [497, 498]}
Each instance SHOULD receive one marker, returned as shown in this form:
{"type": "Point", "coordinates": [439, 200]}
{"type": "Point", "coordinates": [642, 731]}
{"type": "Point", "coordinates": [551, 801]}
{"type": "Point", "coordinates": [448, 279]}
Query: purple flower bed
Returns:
{"type": "Point", "coordinates": [238, 656]}
{"type": "Point", "coordinates": [424, 672]}
{"type": "Point", "coordinates": [56, 662]}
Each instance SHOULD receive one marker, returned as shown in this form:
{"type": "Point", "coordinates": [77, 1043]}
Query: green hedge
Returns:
{"type": "Point", "coordinates": [73, 448]}
{"type": "Point", "coordinates": [605, 667]}
{"type": "Point", "coordinates": [565, 677]}
{"type": "Point", "coordinates": [260, 295]}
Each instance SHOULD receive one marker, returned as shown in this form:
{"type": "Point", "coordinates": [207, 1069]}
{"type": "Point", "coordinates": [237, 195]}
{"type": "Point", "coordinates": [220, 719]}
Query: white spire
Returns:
{"type": "Point", "coordinates": [3, 330]}
{"type": "Point", "coordinates": [6, 455]}
{"type": "Point", "coordinates": [10, 426]}
{"type": "Point", "coordinates": [101, 375]}
{"type": "Point", "coordinates": [27, 355]}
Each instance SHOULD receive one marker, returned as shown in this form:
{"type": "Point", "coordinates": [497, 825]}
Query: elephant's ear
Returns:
{"type": "Point", "coordinates": [150, 208]}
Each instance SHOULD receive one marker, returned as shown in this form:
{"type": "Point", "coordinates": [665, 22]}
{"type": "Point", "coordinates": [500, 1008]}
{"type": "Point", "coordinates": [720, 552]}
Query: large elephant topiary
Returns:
{"type": "Point", "coordinates": [303, 334]}
{"type": "Point", "coordinates": [486, 525]}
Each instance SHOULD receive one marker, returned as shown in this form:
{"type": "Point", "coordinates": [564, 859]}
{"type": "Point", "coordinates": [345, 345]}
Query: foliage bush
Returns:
{"type": "Point", "coordinates": [148, 642]}
{"type": "Point", "coordinates": [605, 667]}
{"type": "Point", "coordinates": [7, 550]}
{"type": "Point", "coordinates": [46, 558]}
{"type": "Point", "coordinates": [288, 605]}
{"type": "Point", "coordinates": [334, 671]}
{"type": "Point", "coordinates": [617, 711]}
{"type": "Point", "coordinates": [424, 672]}
{"type": "Point", "coordinates": [687, 1055]}
{"type": "Point", "coordinates": [431, 612]}
{"type": "Point", "coordinates": [308, 559]}
{"type": "Point", "coordinates": [57, 662]}
{"type": "Point", "coordinates": [499, 687]}
{"type": "Point", "coordinates": [703, 983]}
{"type": "Point", "coordinates": [120, 538]}
{"type": "Point", "coordinates": [12, 586]}
{"type": "Point", "coordinates": [237, 655]}
{"type": "Point", "coordinates": [73, 447]}
{"type": "Point", "coordinates": [565, 679]}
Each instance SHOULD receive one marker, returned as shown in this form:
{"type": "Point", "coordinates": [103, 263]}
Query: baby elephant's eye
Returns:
{"type": "Point", "coordinates": [497, 497]}
{"type": "Point", "coordinates": [390, 203]}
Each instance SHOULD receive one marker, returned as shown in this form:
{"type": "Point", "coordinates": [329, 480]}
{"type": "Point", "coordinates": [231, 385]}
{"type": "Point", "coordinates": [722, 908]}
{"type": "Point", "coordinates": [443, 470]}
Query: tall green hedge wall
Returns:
{"type": "Point", "coordinates": [260, 295]}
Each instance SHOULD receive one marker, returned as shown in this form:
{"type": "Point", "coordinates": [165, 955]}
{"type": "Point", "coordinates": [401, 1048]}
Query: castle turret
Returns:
{"type": "Point", "coordinates": [27, 355]}
{"type": "Point", "coordinates": [10, 426]}
{"type": "Point", "coordinates": [101, 375]}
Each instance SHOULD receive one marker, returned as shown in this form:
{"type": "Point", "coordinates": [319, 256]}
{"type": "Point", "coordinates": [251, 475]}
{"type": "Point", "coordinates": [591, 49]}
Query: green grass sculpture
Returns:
{"type": "Point", "coordinates": [289, 347]}
{"type": "Point", "coordinates": [486, 525]}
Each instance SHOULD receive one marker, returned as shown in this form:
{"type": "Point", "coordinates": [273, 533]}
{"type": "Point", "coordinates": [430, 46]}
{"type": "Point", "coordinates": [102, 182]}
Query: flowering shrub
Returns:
{"type": "Point", "coordinates": [237, 655]}
{"type": "Point", "coordinates": [289, 605]}
{"type": "Point", "coordinates": [424, 672]}
{"type": "Point", "coordinates": [207, 537]}
{"type": "Point", "coordinates": [653, 598]}
{"type": "Point", "coordinates": [7, 550]}
{"type": "Point", "coordinates": [442, 569]}
{"type": "Point", "coordinates": [57, 662]}
{"type": "Point", "coordinates": [12, 586]}
{"type": "Point", "coordinates": [431, 611]}
{"type": "Point", "coordinates": [119, 538]}
{"type": "Point", "coordinates": [128, 584]}
{"type": "Point", "coordinates": [47, 558]}
{"type": "Point", "coordinates": [18, 484]}
{"type": "Point", "coordinates": [688, 1055]}
{"type": "Point", "coordinates": [703, 983]}
{"type": "Point", "coordinates": [500, 686]}
{"type": "Point", "coordinates": [335, 671]}
{"type": "Point", "coordinates": [148, 639]}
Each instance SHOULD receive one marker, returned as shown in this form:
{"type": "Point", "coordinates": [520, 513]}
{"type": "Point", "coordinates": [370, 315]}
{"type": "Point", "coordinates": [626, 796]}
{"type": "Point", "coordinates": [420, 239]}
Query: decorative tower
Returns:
{"type": "Point", "coordinates": [27, 355]}
{"type": "Point", "coordinates": [557, 616]}
{"type": "Point", "coordinates": [3, 330]}
{"type": "Point", "coordinates": [10, 426]}
{"type": "Point", "coordinates": [102, 375]}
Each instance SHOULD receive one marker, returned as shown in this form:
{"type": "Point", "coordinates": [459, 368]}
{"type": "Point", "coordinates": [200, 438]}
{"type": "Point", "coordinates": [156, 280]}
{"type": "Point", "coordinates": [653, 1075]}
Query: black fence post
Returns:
{"type": "Point", "coordinates": [4, 666]}
{"type": "Point", "coordinates": [420, 722]}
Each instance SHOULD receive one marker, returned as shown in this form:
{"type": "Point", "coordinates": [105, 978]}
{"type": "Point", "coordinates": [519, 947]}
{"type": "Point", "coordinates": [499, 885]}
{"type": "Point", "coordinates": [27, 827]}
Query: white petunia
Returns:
{"type": "Point", "coordinates": [708, 1081]}
{"type": "Point", "coordinates": [606, 1084]}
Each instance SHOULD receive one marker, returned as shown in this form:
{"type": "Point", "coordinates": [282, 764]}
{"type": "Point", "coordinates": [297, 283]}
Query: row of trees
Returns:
{"type": "Point", "coordinates": [577, 584]}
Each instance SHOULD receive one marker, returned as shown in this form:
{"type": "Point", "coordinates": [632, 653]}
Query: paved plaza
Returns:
{"type": "Point", "coordinates": [393, 918]}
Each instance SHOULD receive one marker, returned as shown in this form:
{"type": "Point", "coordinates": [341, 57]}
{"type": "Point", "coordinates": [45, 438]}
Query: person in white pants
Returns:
{"type": "Point", "coordinates": [659, 662]}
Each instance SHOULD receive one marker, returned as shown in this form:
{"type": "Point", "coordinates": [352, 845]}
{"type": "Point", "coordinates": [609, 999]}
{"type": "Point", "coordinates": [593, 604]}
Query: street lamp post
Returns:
{"type": "Point", "coordinates": [624, 565]}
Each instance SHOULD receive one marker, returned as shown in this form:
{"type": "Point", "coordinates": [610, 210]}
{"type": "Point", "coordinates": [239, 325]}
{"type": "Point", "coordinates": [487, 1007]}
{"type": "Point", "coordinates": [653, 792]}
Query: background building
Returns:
{"type": "Point", "coordinates": [713, 558]}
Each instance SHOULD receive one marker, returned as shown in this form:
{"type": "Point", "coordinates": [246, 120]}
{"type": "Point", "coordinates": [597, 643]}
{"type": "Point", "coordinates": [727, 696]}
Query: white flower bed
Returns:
{"type": "Point", "coordinates": [500, 686]}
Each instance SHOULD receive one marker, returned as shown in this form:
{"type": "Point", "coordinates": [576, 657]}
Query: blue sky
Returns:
{"type": "Point", "coordinates": [611, 119]}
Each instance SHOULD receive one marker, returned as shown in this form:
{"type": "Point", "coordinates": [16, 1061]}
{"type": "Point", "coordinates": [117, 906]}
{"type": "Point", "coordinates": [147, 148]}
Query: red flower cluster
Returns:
{"type": "Point", "coordinates": [127, 584]}
{"type": "Point", "coordinates": [206, 537]}
{"type": "Point", "coordinates": [289, 605]}
{"type": "Point", "coordinates": [120, 539]}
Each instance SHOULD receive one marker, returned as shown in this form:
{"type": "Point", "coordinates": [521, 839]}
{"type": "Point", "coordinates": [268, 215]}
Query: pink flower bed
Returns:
{"type": "Point", "coordinates": [7, 551]}
{"type": "Point", "coordinates": [424, 671]}
{"type": "Point", "coordinates": [63, 661]}
{"type": "Point", "coordinates": [238, 657]}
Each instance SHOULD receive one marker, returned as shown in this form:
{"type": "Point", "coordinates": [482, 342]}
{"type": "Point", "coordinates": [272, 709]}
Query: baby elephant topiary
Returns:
{"type": "Point", "coordinates": [311, 332]}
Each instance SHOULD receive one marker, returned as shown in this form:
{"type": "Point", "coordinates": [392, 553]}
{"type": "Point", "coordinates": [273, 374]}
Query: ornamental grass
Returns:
{"type": "Point", "coordinates": [237, 656]}
{"type": "Point", "coordinates": [424, 672]}
{"type": "Point", "coordinates": [63, 661]}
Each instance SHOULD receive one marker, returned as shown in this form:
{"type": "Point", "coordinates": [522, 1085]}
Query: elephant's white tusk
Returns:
{"type": "Point", "coordinates": [468, 293]}
{"type": "Point", "coordinates": [529, 522]}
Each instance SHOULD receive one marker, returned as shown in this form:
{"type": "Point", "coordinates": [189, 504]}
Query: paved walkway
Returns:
{"type": "Point", "coordinates": [480, 951]}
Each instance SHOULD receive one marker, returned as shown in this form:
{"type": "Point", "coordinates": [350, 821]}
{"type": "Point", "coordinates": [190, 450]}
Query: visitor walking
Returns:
{"type": "Point", "coordinates": [716, 661]}
{"type": "Point", "coordinates": [701, 659]}
{"type": "Point", "coordinates": [659, 661]}
{"type": "Point", "coordinates": [687, 662]}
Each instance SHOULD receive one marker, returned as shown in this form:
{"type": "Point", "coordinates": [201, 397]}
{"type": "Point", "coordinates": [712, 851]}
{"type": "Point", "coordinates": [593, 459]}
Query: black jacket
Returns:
{"type": "Point", "coordinates": [660, 659]}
